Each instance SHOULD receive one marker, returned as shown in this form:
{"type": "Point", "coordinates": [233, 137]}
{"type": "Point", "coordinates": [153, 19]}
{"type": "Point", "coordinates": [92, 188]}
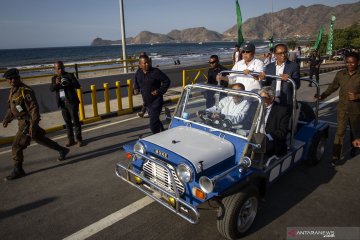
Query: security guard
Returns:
{"type": "Point", "coordinates": [348, 108]}
{"type": "Point", "coordinates": [22, 105]}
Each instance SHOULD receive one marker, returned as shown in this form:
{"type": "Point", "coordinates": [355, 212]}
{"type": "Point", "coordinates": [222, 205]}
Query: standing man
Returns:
{"type": "Point", "coordinates": [348, 108]}
{"type": "Point", "coordinates": [214, 69]}
{"type": "Point", "coordinates": [237, 56]}
{"type": "Point", "coordinates": [65, 85]}
{"type": "Point", "coordinates": [153, 84]}
{"type": "Point", "coordinates": [22, 105]}
{"type": "Point", "coordinates": [285, 69]}
{"type": "Point", "coordinates": [315, 62]}
{"type": "Point", "coordinates": [248, 64]}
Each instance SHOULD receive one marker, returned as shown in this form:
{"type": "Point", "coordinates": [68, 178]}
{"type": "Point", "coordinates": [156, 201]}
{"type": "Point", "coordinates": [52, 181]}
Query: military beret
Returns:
{"type": "Point", "coordinates": [11, 73]}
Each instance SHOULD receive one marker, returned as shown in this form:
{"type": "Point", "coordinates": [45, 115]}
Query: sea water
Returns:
{"type": "Point", "coordinates": [162, 54]}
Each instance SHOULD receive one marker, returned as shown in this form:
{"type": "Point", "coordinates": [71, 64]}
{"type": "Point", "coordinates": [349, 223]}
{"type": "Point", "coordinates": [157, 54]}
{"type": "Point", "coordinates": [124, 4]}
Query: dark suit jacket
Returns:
{"type": "Point", "coordinates": [293, 70]}
{"type": "Point", "coordinates": [70, 89]}
{"type": "Point", "coordinates": [277, 126]}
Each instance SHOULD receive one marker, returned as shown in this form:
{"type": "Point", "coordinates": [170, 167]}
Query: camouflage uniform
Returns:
{"type": "Point", "coordinates": [348, 112]}
{"type": "Point", "coordinates": [22, 105]}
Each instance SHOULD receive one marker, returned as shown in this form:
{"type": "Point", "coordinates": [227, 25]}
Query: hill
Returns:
{"type": "Point", "coordinates": [301, 22]}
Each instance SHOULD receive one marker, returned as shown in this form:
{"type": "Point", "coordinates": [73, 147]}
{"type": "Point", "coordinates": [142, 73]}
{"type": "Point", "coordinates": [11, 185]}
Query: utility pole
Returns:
{"type": "Point", "coordinates": [123, 37]}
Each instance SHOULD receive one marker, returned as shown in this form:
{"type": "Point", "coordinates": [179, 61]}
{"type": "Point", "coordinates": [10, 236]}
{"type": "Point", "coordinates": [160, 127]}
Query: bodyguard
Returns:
{"type": "Point", "coordinates": [152, 84]}
{"type": "Point", "coordinates": [65, 85]}
{"type": "Point", "coordinates": [22, 105]}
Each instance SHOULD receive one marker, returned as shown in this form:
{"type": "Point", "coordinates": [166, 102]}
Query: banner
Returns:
{"type": "Point", "coordinates": [239, 23]}
{"type": "Point", "coordinates": [330, 41]}
{"type": "Point", "coordinates": [319, 38]}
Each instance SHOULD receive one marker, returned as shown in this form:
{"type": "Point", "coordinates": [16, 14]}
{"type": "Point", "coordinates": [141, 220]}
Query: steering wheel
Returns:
{"type": "Point", "coordinates": [206, 117]}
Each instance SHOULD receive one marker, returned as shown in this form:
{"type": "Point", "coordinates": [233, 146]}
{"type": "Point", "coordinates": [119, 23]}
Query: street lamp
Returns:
{"type": "Point", "coordinates": [123, 37]}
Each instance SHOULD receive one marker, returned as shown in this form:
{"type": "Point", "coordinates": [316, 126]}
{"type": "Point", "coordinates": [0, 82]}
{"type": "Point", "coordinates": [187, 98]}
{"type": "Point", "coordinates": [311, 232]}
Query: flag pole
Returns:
{"type": "Point", "coordinates": [123, 37]}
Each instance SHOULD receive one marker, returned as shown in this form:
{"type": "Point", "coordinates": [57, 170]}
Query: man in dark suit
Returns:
{"type": "Point", "coordinates": [153, 84]}
{"type": "Point", "coordinates": [286, 69]}
{"type": "Point", "coordinates": [276, 123]}
{"type": "Point", "coordinates": [65, 85]}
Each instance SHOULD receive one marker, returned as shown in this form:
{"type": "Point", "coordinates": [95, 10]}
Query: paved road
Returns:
{"type": "Point", "coordinates": [58, 199]}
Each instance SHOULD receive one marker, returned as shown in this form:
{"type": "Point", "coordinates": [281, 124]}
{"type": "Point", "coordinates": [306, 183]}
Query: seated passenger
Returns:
{"type": "Point", "coordinates": [233, 108]}
{"type": "Point", "coordinates": [276, 123]}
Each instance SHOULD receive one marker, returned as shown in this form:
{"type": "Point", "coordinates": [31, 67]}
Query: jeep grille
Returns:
{"type": "Point", "coordinates": [159, 175]}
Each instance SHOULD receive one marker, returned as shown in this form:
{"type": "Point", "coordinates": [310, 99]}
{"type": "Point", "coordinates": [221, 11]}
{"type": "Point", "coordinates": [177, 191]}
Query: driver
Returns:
{"type": "Point", "coordinates": [233, 108]}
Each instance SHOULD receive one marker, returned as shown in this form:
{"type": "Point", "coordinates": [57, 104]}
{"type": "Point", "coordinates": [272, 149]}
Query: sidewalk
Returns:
{"type": "Point", "coordinates": [53, 121]}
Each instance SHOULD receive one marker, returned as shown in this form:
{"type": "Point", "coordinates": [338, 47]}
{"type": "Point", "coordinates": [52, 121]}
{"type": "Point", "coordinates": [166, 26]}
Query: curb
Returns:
{"type": "Point", "coordinates": [7, 140]}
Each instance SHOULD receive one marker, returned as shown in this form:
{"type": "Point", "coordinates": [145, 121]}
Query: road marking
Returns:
{"type": "Point", "coordinates": [110, 219]}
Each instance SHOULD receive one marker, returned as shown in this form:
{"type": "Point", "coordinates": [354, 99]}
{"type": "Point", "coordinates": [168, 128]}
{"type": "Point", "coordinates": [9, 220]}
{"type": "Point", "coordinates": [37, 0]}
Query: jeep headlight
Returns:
{"type": "Point", "coordinates": [139, 147]}
{"type": "Point", "coordinates": [184, 172]}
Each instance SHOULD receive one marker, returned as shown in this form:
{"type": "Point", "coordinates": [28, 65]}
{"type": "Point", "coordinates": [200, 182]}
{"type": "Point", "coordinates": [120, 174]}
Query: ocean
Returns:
{"type": "Point", "coordinates": [161, 54]}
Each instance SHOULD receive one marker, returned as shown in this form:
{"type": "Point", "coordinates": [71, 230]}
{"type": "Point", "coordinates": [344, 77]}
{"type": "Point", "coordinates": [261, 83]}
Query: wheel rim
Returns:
{"type": "Point", "coordinates": [247, 214]}
{"type": "Point", "coordinates": [320, 149]}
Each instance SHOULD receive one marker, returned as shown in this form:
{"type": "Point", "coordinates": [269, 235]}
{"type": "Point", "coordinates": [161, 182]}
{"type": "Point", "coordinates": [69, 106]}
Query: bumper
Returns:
{"type": "Point", "coordinates": [157, 193]}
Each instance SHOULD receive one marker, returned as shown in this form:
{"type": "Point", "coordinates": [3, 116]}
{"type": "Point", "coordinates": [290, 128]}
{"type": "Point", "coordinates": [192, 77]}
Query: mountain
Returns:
{"type": "Point", "coordinates": [301, 22]}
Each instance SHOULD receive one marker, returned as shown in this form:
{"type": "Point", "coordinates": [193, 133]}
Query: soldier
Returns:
{"type": "Point", "coordinates": [23, 106]}
{"type": "Point", "coordinates": [348, 108]}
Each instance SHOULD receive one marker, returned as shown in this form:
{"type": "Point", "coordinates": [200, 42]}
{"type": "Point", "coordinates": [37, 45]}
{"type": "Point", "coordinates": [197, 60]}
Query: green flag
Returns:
{"type": "Point", "coordinates": [319, 38]}
{"type": "Point", "coordinates": [330, 40]}
{"type": "Point", "coordinates": [239, 23]}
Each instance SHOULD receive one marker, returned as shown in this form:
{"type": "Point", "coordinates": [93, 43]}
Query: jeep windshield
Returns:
{"type": "Point", "coordinates": [220, 109]}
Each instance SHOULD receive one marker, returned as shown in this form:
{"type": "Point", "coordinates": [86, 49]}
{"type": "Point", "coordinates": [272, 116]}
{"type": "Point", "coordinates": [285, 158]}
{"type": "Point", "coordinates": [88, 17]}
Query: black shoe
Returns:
{"type": "Point", "coordinates": [63, 153]}
{"type": "Point", "coordinates": [15, 174]}
{"type": "Point", "coordinates": [310, 85]}
{"type": "Point", "coordinates": [70, 143]}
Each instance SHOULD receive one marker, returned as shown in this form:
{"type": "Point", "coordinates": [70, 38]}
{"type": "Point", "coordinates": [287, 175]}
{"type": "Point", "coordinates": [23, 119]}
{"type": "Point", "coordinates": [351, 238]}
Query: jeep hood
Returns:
{"type": "Point", "coordinates": [194, 145]}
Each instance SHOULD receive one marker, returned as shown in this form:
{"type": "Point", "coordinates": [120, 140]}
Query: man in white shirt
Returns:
{"type": "Point", "coordinates": [248, 64]}
{"type": "Point", "coordinates": [233, 108]}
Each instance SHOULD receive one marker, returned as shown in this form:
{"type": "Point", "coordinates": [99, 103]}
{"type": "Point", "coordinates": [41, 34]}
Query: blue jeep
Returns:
{"type": "Point", "coordinates": [201, 159]}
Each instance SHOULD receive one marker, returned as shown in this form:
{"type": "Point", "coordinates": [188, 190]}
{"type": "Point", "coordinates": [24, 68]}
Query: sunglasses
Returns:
{"type": "Point", "coordinates": [212, 62]}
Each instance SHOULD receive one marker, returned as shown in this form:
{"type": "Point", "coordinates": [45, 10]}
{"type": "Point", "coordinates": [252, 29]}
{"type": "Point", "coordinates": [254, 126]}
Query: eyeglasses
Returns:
{"type": "Point", "coordinates": [212, 62]}
{"type": "Point", "coordinates": [281, 53]}
{"type": "Point", "coordinates": [246, 51]}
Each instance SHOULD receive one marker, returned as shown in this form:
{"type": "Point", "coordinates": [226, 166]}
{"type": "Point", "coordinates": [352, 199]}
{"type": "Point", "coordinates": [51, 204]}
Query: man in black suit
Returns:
{"type": "Point", "coordinates": [153, 84]}
{"type": "Point", "coordinates": [286, 69]}
{"type": "Point", "coordinates": [65, 85]}
{"type": "Point", "coordinates": [276, 123]}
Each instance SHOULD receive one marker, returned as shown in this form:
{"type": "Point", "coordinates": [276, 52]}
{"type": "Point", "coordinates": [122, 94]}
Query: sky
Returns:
{"type": "Point", "coordinates": [50, 23]}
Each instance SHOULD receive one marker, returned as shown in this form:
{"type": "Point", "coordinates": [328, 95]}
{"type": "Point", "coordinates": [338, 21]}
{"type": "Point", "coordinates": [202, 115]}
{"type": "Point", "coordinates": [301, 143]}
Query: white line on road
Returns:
{"type": "Point", "coordinates": [110, 220]}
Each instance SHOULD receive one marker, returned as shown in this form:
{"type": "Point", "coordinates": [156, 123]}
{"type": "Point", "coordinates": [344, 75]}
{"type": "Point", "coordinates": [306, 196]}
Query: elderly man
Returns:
{"type": "Point", "coordinates": [22, 105]}
{"type": "Point", "coordinates": [285, 69]}
{"type": "Point", "coordinates": [248, 64]}
{"type": "Point", "coordinates": [276, 123]}
{"type": "Point", "coordinates": [233, 108]}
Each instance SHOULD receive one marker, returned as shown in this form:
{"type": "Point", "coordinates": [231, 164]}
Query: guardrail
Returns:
{"type": "Point", "coordinates": [188, 75]}
{"type": "Point", "coordinates": [48, 71]}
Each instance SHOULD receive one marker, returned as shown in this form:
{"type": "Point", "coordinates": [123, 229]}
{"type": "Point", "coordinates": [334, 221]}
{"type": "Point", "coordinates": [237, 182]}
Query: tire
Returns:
{"type": "Point", "coordinates": [317, 149]}
{"type": "Point", "coordinates": [243, 205]}
{"type": "Point", "coordinates": [306, 113]}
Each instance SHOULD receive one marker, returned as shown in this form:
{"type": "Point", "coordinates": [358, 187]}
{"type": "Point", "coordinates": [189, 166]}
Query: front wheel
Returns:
{"type": "Point", "coordinates": [237, 213]}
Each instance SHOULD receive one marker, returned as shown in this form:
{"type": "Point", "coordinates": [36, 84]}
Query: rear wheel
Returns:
{"type": "Point", "coordinates": [317, 148]}
{"type": "Point", "coordinates": [237, 213]}
{"type": "Point", "coordinates": [306, 113]}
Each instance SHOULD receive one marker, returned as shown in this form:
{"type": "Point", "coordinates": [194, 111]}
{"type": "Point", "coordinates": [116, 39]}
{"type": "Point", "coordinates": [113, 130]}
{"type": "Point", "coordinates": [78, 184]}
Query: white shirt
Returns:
{"type": "Point", "coordinates": [248, 81]}
{"type": "Point", "coordinates": [232, 111]}
{"type": "Point", "coordinates": [279, 71]}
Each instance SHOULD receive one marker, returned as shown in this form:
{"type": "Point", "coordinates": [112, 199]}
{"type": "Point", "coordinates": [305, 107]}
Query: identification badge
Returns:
{"type": "Point", "coordinates": [19, 108]}
{"type": "Point", "coordinates": [62, 94]}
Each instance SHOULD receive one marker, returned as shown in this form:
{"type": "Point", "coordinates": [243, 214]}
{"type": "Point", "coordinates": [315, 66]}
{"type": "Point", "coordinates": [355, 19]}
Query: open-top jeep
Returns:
{"type": "Point", "coordinates": [201, 159]}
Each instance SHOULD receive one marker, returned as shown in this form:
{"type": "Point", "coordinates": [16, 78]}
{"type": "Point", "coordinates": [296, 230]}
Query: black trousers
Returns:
{"type": "Point", "coordinates": [154, 110]}
{"type": "Point", "coordinates": [70, 113]}
{"type": "Point", "coordinates": [314, 71]}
